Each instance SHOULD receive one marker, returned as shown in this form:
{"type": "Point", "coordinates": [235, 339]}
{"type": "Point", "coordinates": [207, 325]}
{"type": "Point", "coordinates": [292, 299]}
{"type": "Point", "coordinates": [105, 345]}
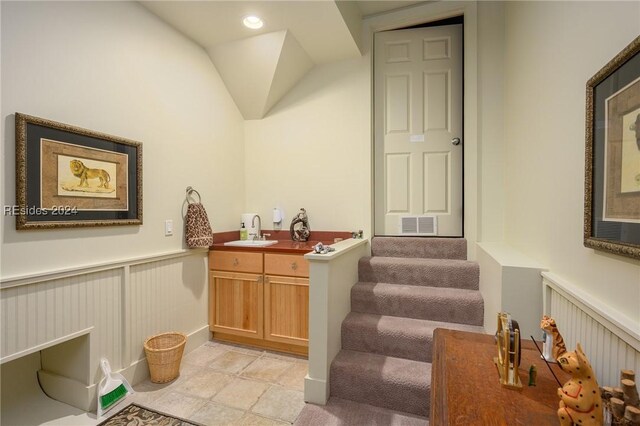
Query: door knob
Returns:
{"type": "Point", "coordinates": [455, 141]}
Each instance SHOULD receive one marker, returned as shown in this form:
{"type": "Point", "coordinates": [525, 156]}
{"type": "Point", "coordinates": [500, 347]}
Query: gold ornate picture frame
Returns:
{"type": "Point", "coordinates": [612, 156]}
{"type": "Point", "coordinates": [67, 176]}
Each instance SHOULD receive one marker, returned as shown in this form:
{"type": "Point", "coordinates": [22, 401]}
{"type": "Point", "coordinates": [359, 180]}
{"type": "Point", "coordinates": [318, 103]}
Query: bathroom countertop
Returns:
{"type": "Point", "coordinates": [284, 244]}
{"type": "Point", "coordinates": [279, 247]}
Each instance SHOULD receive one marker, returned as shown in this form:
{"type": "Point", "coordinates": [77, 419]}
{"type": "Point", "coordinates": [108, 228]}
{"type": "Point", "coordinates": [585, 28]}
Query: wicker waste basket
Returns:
{"type": "Point", "coordinates": [164, 353]}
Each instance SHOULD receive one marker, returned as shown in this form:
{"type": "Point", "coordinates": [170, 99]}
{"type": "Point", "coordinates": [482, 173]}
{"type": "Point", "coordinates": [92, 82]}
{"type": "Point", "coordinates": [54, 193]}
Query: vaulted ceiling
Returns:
{"type": "Point", "coordinates": [260, 66]}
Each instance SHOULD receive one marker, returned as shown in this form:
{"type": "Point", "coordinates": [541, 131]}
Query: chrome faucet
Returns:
{"type": "Point", "coordinates": [258, 236]}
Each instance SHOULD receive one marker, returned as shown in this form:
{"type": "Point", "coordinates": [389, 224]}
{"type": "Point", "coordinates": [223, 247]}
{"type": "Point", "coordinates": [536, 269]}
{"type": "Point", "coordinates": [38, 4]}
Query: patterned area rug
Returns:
{"type": "Point", "coordinates": [135, 415]}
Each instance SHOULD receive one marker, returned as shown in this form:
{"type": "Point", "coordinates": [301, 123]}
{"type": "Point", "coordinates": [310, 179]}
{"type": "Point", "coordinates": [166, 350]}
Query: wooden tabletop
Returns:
{"type": "Point", "coordinates": [465, 387]}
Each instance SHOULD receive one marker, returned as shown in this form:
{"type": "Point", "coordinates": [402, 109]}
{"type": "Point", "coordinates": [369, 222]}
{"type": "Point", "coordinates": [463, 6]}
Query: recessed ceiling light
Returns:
{"type": "Point", "coordinates": [253, 22]}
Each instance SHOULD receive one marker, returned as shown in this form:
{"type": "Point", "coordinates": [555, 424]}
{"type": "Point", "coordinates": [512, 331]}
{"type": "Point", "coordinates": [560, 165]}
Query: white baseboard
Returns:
{"type": "Point", "coordinates": [197, 338]}
{"type": "Point", "coordinates": [84, 397]}
{"type": "Point", "coordinates": [316, 391]}
{"type": "Point", "coordinates": [138, 371]}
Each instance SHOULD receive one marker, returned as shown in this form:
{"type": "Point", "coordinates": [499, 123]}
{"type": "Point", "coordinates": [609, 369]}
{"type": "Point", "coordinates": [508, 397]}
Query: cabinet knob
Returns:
{"type": "Point", "coordinates": [294, 266]}
{"type": "Point", "coordinates": [236, 262]}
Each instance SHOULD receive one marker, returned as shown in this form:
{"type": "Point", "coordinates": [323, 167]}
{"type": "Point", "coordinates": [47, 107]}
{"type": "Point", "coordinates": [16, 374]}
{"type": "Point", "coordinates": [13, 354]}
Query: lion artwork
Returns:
{"type": "Point", "coordinates": [635, 126]}
{"type": "Point", "coordinates": [81, 171]}
{"type": "Point", "coordinates": [580, 400]}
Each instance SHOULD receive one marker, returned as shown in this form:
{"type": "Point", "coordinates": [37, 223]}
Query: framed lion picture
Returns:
{"type": "Point", "coordinates": [67, 176]}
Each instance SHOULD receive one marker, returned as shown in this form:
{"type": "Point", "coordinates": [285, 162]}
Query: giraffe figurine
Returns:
{"type": "Point", "coordinates": [580, 400]}
{"type": "Point", "coordinates": [558, 347]}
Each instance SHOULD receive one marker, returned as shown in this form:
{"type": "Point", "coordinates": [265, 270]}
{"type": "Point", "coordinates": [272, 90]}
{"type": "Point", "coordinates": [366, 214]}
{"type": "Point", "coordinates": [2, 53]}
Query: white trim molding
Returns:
{"type": "Point", "coordinates": [621, 325]}
{"type": "Point", "coordinates": [26, 279]}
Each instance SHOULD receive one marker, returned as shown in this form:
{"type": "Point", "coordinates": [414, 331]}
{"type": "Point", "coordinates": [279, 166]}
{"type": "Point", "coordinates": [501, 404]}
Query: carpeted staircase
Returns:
{"type": "Point", "coordinates": [407, 289]}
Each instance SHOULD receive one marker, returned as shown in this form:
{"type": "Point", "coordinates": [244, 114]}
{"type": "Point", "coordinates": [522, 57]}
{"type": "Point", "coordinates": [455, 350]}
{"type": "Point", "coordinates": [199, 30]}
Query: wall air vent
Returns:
{"type": "Point", "coordinates": [419, 225]}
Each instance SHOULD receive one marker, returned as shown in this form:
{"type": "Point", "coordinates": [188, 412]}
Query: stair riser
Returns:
{"type": "Point", "coordinates": [376, 391]}
{"type": "Point", "coordinates": [385, 357]}
{"type": "Point", "coordinates": [466, 276]}
{"type": "Point", "coordinates": [417, 348]}
{"type": "Point", "coordinates": [340, 411]}
{"type": "Point", "coordinates": [461, 311]}
{"type": "Point", "coordinates": [428, 248]}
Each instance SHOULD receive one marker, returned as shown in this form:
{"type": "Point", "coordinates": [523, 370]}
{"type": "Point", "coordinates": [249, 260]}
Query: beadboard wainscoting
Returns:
{"type": "Point", "coordinates": [76, 316]}
{"type": "Point", "coordinates": [611, 341]}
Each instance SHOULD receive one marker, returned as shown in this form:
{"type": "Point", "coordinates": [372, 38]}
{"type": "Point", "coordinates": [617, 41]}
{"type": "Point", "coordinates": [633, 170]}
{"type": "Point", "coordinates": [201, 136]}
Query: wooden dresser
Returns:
{"type": "Point", "coordinates": [465, 388]}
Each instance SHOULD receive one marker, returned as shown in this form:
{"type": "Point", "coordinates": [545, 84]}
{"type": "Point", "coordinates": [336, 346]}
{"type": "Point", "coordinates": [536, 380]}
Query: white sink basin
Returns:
{"type": "Point", "coordinates": [251, 243]}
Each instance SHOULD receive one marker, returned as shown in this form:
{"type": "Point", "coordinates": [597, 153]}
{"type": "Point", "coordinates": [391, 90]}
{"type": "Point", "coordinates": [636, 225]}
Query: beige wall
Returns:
{"type": "Point", "coordinates": [114, 67]}
{"type": "Point", "coordinates": [314, 148]}
{"type": "Point", "coordinates": [553, 48]}
{"type": "Point", "coordinates": [491, 109]}
{"type": "Point", "coordinates": [313, 151]}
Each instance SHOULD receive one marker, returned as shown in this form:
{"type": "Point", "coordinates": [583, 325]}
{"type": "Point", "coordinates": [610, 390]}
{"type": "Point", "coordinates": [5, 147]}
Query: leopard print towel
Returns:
{"type": "Point", "coordinates": [198, 230]}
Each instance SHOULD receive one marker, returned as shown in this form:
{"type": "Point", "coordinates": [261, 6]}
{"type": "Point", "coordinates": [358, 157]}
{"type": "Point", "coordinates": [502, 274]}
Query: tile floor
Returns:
{"type": "Point", "coordinates": [225, 384]}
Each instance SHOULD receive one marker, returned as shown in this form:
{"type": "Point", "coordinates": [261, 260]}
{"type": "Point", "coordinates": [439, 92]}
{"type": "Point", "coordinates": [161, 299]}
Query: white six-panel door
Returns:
{"type": "Point", "coordinates": [418, 116]}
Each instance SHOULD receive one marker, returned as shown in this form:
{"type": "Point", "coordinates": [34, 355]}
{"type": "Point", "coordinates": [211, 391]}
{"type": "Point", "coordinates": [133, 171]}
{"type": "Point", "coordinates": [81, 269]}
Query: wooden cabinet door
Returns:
{"type": "Point", "coordinates": [286, 304]}
{"type": "Point", "coordinates": [236, 303]}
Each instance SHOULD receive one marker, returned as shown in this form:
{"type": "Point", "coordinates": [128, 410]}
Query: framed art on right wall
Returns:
{"type": "Point", "coordinates": [612, 159]}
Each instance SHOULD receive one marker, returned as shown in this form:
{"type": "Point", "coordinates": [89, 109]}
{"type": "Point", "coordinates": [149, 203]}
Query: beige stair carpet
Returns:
{"type": "Point", "coordinates": [407, 289]}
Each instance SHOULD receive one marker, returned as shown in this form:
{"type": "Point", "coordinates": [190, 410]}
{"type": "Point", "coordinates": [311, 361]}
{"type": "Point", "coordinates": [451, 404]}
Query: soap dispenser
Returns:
{"type": "Point", "coordinates": [243, 232]}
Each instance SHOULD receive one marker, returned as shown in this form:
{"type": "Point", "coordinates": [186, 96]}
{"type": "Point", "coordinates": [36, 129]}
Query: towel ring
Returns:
{"type": "Point", "coordinates": [190, 191]}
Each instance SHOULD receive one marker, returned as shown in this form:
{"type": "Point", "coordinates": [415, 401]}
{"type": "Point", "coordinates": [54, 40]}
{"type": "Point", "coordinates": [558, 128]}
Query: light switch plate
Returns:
{"type": "Point", "coordinates": [168, 227]}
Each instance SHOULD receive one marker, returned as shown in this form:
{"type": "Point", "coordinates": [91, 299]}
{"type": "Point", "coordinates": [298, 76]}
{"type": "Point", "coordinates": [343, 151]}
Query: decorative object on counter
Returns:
{"type": "Point", "coordinates": [299, 229]}
{"type": "Point", "coordinates": [630, 392]}
{"type": "Point", "coordinates": [553, 345]}
{"type": "Point", "coordinates": [357, 235]}
{"type": "Point", "coordinates": [508, 359]}
{"type": "Point", "coordinates": [632, 416]}
{"type": "Point", "coordinates": [277, 219]}
{"type": "Point", "coordinates": [322, 249]}
{"type": "Point", "coordinates": [622, 404]}
{"type": "Point", "coordinates": [67, 176]}
{"type": "Point", "coordinates": [533, 374]}
{"type": "Point", "coordinates": [197, 228]}
{"type": "Point", "coordinates": [545, 361]}
{"type": "Point", "coordinates": [247, 218]}
{"type": "Point", "coordinates": [580, 400]}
